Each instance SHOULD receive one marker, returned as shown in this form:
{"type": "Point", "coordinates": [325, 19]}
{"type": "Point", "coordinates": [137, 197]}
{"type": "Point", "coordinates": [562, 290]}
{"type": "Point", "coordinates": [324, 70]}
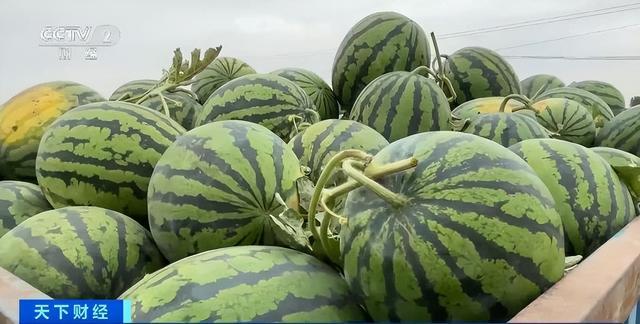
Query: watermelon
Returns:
{"type": "Point", "coordinates": [472, 108]}
{"type": "Point", "coordinates": [621, 132]}
{"type": "Point", "coordinates": [102, 154]}
{"type": "Point", "coordinates": [616, 157]}
{"type": "Point", "coordinates": [506, 128]}
{"type": "Point", "coordinates": [215, 187]}
{"type": "Point", "coordinates": [18, 201]}
{"type": "Point", "coordinates": [265, 99]}
{"type": "Point", "coordinates": [250, 284]}
{"type": "Point", "coordinates": [219, 72]}
{"type": "Point", "coordinates": [477, 72]}
{"type": "Point", "coordinates": [379, 43]}
{"type": "Point", "coordinates": [321, 141]}
{"type": "Point", "coordinates": [399, 104]}
{"type": "Point", "coordinates": [476, 236]}
{"type": "Point", "coordinates": [567, 120]}
{"type": "Point", "coordinates": [599, 109]}
{"type": "Point", "coordinates": [590, 198]}
{"type": "Point", "coordinates": [182, 107]}
{"type": "Point", "coordinates": [634, 101]}
{"type": "Point", "coordinates": [132, 89]}
{"type": "Point", "coordinates": [605, 91]}
{"type": "Point", "coordinates": [323, 98]}
{"type": "Point", "coordinates": [24, 118]}
{"type": "Point", "coordinates": [539, 83]}
{"type": "Point", "coordinates": [80, 252]}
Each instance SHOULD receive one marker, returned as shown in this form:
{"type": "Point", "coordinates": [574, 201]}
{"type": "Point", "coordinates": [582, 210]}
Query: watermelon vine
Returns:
{"type": "Point", "coordinates": [179, 74]}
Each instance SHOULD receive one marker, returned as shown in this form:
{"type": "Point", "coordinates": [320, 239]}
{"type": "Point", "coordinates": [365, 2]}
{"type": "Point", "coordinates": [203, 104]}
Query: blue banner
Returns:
{"type": "Point", "coordinates": [74, 311]}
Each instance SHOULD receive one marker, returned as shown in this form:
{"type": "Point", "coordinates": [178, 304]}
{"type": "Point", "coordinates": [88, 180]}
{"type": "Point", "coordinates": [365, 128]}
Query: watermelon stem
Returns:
{"type": "Point", "coordinates": [394, 199]}
{"type": "Point", "coordinates": [442, 79]}
{"type": "Point", "coordinates": [322, 181]}
{"type": "Point", "coordinates": [165, 107]}
{"type": "Point", "coordinates": [516, 97]}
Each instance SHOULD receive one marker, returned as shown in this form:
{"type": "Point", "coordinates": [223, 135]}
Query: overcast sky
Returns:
{"type": "Point", "coordinates": [286, 33]}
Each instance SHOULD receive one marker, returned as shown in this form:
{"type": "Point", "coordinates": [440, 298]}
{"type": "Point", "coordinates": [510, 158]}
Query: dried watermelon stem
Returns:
{"type": "Point", "coordinates": [517, 97]}
{"type": "Point", "coordinates": [442, 79]}
{"type": "Point", "coordinates": [322, 182]}
{"type": "Point", "coordinates": [362, 174]}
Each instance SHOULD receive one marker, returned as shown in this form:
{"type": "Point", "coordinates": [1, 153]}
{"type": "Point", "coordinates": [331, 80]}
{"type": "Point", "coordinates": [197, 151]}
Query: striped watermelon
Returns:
{"type": "Point", "coordinates": [379, 43]}
{"type": "Point", "coordinates": [506, 128]}
{"type": "Point", "coordinates": [248, 284]}
{"type": "Point", "coordinates": [323, 98]}
{"type": "Point", "coordinates": [265, 99]}
{"type": "Point", "coordinates": [605, 91]}
{"type": "Point", "coordinates": [477, 72]}
{"type": "Point", "coordinates": [183, 108]}
{"type": "Point", "coordinates": [472, 108]}
{"type": "Point", "coordinates": [626, 165]}
{"type": "Point", "coordinates": [616, 157]}
{"type": "Point", "coordinates": [102, 154]}
{"type": "Point", "coordinates": [567, 120]}
{"type": "Point", "coordinates": [590, 198]}
{"type": "Point", "coordinates": [321, 141]}
{"type": "Point", "coordinates": [539, 83]}
{"type": "Point", "coordinates": [24, 118]}
{"type": "Point", "coordinates": [133, 89]}
{"type": "Point", "coordinates": [399, 104]}
{"type": "Point", "coordinates": [18, 201]}
{"type": "Point", "coordinates": [216, 185]}
{"type": "Point", "coordinates": [477, 237]}
{"type": "Point", "coordinates": [80, 252]}
{"type": "Point", "coordinates": [219, 72]}
{"type": "Point", "coordinates": [621, 132]}
{"type": "Point", "coordinates": [600, 111]}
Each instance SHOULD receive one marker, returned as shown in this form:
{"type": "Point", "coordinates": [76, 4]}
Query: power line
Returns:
{"type": "Point", "coordinates": [576, 58]}
{"type": "Point", "coordinates": [541, 21]}
{"type": "Point", "coordinates": [567, 37]}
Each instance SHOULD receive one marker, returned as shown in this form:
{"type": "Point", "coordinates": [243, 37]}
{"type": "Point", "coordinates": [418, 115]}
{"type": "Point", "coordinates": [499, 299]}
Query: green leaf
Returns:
{"type": "Point", "coordinates": [305, 191]}
{"type": "Point", "coordinates": [288, 230]}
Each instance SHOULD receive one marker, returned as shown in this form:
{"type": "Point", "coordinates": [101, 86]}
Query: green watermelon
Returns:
{"type": "Point", "coordinates": [475, 107]}
{"type": "Point", "coordinates": [321, 141]}
{"type": "Point", "coordinates": [599, 109]}
{"type": "Point", "coordinates": [477, 237]}
{"type": "Point", "coordinates": [215, 187]}
{"type": "Point", "coordinates": [265, 99]}
{"type": "Point", "coordinates": [182, 106]}
{"type": "Point", "coordinates": [24, 118]}
{"type": "Point", "coordinates": [18, 201]}
{"type": "Point", "coordinates": [539, 83]}
{"type": "Point", "coordinates": [244, 284]}
{"type": "Point", "coordinates": [219, 72]}
{"type": "Point", "coordinates": [379, 43]}
{"type": "Point", "coordinates": [477, 72]}
{"type": "Point", "coordinates": [80, 252]}
{"type": "Point", "coordinates": [399, 104]}
{"type": "Point", "coordinates": [506, 128]}
{"type": "Point", "coordinates": [590, 198]}
{"type": "Point", "coordinates": [616, 157]}
{"type": "Point", "coordinates": [605, 91]}
{"type": "Point", "coordinates": [132, 89]}
{"type": "Point", "coordinates": [566, 120]}
{"type": "Point", "coordinates": [627, 166]}
{"type": "Point", "coordinates": [621, 132]}
{"type": "Point", "coordinates": [102, 154]}
{"type": "Point", "coordinates": [323, 98]}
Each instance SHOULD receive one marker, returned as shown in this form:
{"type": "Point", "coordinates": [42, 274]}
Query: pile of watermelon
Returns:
{"type": "Point", "coordinates": [417, 186]}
